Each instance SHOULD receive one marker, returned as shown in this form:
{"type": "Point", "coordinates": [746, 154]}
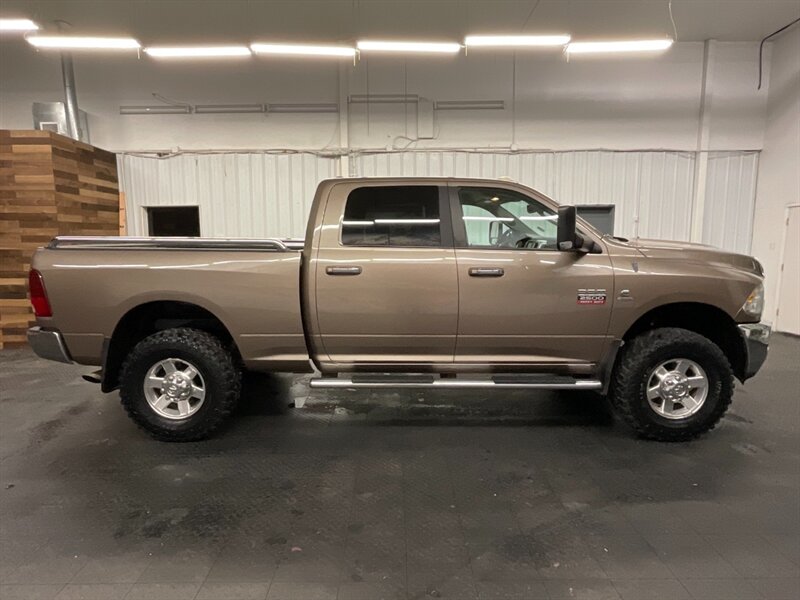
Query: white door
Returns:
{"type": "Point", "coordinates": [788, 316]}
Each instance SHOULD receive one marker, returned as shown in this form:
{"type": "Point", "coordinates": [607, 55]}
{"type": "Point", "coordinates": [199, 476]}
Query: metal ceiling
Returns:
{"type": "Point", "coordinates": [241, 21]}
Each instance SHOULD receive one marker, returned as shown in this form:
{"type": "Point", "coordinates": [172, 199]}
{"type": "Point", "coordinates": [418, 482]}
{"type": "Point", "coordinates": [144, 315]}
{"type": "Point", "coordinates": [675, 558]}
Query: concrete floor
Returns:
{"type": "Point", "coordinates": [396, 495]}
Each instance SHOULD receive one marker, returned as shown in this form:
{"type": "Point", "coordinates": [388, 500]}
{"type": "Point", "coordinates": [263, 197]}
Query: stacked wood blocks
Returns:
{"type": "Point", "coordinates": [49, 185]}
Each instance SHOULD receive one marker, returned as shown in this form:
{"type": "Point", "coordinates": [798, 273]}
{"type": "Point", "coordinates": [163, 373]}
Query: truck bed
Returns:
{"type": "Point", "coordinates": [252, 286]}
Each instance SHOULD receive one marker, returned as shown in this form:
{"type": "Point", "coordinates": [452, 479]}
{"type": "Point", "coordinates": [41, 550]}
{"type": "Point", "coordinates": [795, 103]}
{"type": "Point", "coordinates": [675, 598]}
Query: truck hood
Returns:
{"type": "Point", "coordinates": [697, 253]}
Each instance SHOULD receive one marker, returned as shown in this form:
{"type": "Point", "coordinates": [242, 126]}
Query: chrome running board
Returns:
{"type": "Point", "coordinates": [547, 382]}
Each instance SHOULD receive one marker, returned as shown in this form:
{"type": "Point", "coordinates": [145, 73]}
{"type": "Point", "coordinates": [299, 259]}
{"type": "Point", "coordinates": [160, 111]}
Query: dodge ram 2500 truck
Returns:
{"type": "Point", "coordinates": [423, 283]}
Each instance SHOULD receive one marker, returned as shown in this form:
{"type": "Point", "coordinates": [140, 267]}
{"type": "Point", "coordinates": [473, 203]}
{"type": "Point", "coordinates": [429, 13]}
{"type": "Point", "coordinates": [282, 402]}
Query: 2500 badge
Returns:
{"type": "Point", "coordinates": [591, 296]}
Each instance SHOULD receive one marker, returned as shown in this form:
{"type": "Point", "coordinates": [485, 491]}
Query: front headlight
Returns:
{"type": "Point", "coordinates": [754, 305]}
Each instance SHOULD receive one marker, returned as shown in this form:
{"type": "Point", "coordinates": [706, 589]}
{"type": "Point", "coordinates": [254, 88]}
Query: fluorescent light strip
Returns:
{"type": "Point", "coordinates": [621, 46]}
{"type": "Point", "coordinates": [406, 221]}
{"type": "Point", "coordinates": [515, 41]}
{"type": "Point", "coordinates": [65, 42]}
{"type": "Point", "coordinates": [389, 46]}
{"type": "Point", "coordinates": [490, 219]}
{"type": "Point", "coordinates": [197, 51]}
{"type": "Point", "coordinates": [391, 222]}
{"type": "Point", "coordinates": [17, 25]}
{"type": "Point", "coordinates": [300, 50]}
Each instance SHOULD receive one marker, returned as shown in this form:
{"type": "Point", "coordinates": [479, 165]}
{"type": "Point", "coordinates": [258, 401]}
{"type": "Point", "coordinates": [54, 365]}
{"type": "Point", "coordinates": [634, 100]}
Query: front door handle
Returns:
{"type": "Point", "coordinates": [486, 272]}
{"type": "Point", "coordinates": [343, 270]}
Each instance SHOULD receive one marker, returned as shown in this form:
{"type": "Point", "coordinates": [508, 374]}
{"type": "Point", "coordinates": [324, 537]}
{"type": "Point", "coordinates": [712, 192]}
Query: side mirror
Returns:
{"type": "Point", "coordinates": [568, 237]}
{"type": "Point", "coordinates": [494, 232]}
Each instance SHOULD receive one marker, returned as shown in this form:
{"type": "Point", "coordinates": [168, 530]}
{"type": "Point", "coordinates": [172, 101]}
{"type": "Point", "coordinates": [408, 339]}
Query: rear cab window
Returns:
{"type": "Point", "coordinates": [406, 216]}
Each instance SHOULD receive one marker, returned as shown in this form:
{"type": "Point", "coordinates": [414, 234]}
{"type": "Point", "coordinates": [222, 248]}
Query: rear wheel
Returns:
{"type": "Point", "coordinates": [179, 384]}
{"type": "Point", "coordinates": [671, 384]}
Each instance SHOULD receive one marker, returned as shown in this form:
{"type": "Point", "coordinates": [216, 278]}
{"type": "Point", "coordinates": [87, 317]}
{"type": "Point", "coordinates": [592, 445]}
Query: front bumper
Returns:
{"type": "Point", "coordinates": [49, 344]}
{"type": "Point", "coordinates": [756, 339]}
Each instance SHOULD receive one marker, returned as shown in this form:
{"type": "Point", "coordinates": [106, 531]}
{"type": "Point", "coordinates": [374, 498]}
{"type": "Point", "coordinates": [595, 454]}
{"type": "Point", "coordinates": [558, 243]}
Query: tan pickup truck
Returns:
{"type": "Point", "coordinates": [423, 283]}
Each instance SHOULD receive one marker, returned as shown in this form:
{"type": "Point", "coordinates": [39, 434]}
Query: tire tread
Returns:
{"type": "Point", "coordinates": [198, 342]}
{"type": "Point", "coordinates": [635, 358]}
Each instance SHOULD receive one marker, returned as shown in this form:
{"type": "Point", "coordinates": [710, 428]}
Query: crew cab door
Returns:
{"type": "Point", "coordinates": [522, 301]}
{"type": "Point", "coordinates": [386, 284]}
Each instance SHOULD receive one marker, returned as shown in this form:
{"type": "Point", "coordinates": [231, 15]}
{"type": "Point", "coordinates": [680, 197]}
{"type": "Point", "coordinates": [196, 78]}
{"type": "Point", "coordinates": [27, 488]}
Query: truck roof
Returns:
{"type": "Point", "coordinates": [415, 179]}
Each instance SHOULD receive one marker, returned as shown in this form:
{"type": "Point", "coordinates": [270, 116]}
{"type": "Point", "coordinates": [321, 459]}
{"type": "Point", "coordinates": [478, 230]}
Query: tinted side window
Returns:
{"type": "Point", "coordinates": [499, 218]}
{"type": "Point", "coordinates": [392, 216]}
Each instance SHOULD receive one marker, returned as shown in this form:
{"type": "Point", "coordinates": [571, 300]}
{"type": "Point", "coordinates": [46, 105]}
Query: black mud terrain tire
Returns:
{"type": "Point", "coordinates": [636, 364]}
{"type": "Point", "coordinates": [218, 375]}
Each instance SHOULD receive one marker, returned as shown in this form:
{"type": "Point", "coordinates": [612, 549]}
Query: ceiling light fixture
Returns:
{"type": "Point", "coordinates": [383, 98]}
{"type": "Point", "coordinates": [621, 46]}
{"type": "Point", "coordinates": [65, 42]}
{"type": "Point", "coordinates": [469, 105]}
{"type": "Point", "coordinates": [302, 50]}
{"type": "Point", "coordinates": [7, 25]}
{"type": "Point", "coordinates": [428, 47]}
{"type": "Point", "coordinates": [312, 107]}
{"type": "Point", "coordinates": [228, 109]}
{"type": "Point", "coordinates": [197, 51]}
{"type": "Point", "coordinates": [515, 41]}
{"type": "Point", "coordinates": [155, 110]}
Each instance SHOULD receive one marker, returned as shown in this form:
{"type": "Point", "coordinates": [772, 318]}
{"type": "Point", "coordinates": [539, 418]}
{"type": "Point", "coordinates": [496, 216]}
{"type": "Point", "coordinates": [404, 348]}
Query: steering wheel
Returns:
{"type": "Point", "coordinates": [506, 239]}
{"type": "Point", "coordinates": [530, 243]}
{"type": "Point", "coordinates": [523, 242]}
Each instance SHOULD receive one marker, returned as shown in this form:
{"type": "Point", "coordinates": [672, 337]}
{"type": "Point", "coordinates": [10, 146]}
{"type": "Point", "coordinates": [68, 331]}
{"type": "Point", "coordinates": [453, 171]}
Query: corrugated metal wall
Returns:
{"type": "Point", "coordinates": [652, 191]}
{"type": "Point", "coordinates": [730, 200]}
{"type": "Point", "coordinates": [260, 195]}
{"type": "Point", "coordinates": [239, 195]}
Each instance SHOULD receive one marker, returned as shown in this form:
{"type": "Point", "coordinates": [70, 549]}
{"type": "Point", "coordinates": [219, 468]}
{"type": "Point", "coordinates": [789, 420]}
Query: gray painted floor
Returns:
{"type": "Point", "coordinates": [396, 495]}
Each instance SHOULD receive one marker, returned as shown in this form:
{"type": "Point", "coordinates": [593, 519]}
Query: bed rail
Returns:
{"type": "Point", "coordinates": [174, 243]}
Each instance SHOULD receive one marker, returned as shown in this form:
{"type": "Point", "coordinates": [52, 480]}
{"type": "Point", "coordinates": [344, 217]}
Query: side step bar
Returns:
{"type": "Point", "coordinates": [423, 381]}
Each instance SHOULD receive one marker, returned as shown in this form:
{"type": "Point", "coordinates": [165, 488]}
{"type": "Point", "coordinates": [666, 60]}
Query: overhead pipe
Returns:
{"type": "Point", "coordinates": [71, 110]}
{"type": "Point", "coordinates": [70, 97]}
{"type": "Point", "coordinates": [761, 49]}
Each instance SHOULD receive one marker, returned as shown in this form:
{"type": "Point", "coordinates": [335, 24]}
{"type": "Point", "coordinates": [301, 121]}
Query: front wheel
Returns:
{"type": "Point", "coordinates": [179, 384]}
{"type": "Point", "coordinates": [671, 384]}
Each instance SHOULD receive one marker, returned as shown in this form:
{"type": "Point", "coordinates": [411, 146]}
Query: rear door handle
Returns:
{"type": "Point", "coordinates": [486, 272]}
{"type": "Point", "coordinates": [343, 270]}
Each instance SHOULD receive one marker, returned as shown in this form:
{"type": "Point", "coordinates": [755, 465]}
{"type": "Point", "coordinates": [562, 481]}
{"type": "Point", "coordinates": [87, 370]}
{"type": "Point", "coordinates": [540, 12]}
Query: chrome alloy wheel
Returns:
{"type": "Point", "coordinates": [174, 388]}
{"type": "Point", "coordinates": [677, 388]}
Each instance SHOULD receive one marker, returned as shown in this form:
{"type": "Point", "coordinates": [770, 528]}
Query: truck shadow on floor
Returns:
{"type": "Point", "coordinates": [270, 395]}
{"type": "Point", "coordinates": [557, 409]}
{"type": "Point", "coordinates": [264, 394]}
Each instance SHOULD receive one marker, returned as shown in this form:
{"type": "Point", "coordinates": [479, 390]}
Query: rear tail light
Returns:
{"type": "Point", "coordinates": [41, 305]}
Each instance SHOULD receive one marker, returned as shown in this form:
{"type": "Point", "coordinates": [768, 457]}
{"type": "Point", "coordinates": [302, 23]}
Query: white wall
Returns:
{"type": "Point", "coordinates": [237, 195]}
{"type": "Point", "coordinates": [779, 175]}
{"type": "Point", "coordinates": [264, 195]}
{"type": "Point", "coordinates": [621, 103]}
{"type": "Point", "coordinates": [634, 102]}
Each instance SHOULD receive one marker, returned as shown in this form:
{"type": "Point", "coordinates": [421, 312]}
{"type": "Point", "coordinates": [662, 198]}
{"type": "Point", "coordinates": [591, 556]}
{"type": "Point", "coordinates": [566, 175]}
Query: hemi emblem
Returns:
{"type": "Point", "coordinates": [591, 296]}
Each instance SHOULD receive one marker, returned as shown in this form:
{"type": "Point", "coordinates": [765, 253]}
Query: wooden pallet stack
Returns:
{"type": "Point", "coordinates": [49, 185]}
